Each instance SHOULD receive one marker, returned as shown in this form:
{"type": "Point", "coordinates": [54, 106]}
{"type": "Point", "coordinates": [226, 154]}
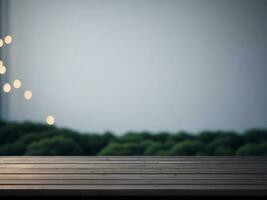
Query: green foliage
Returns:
{"type": "Point", "coordinates": [187, 147]}
{"type": "Point", "coordinates": [153, 148]}
{"type": "Point", "coordinates": [131, 137]}
{"type": "Point", "coordinates": [178, 137]}
{"type": "Point", "coordinates": [58, 145]}
{"type": "Point", "coordinates": [252, 149]}
{"type": "Point", "coordinates": [224, 142]}
{"type": "Point", "coordinates": [38, 139]}
{"type": "Point", "coordinates": [10, 132]}
{"type": "Point", "coordinates": [160, 137]}
{"type": "Point", "coordinates": [207, 136]}
{"type": "Point", "coordinates": [255, 136]}
{"type": "Point", "coordinates": [94, 143]}
{"type": "Point", "coordinates": [125, 149]}
{"type": "Point", "coordinates": [181, 136]}
{"type": "Point", "coordinates": [223, 151]}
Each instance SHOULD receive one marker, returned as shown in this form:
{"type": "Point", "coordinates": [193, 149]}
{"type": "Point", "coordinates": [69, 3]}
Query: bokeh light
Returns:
{"type": "Point", "coordinates": [17, 84]}
{"type": "Point", "coordinates": [8, 39]}
{"type": "Point", "coordinates": [2, 69]}
{"type": "Point", "coordinates": [1, 43]}
{"type": "Point", "coordinates": [50, 120]}
{"type": "Point", "coordinates": [6, 87]}
{"type": "Point", "coordinates": [1, 63]}
{"type": "Point", "coordinates": [28, 94]}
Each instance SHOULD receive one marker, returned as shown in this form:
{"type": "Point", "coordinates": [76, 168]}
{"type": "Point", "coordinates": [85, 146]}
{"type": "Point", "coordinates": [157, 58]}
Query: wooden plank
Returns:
{"type": "Point", "coordinates": [133, 182]}
{"type": "Point", "coordinates": [132, 192]}
{"type": "Point", "coordinates": [137, 158]}
{"type": "Point", "coordinates": [130, 171]}
{"type": "Point", "coordinates": [69, 161]}
{"type": "Point", "coordinates": [78, 160]}
{"type": "Point", "coordinates": [133, 175]}
{"type": "Point", "coordinates": [139, 187]}
{"type": "Point", "coordinates": [144, 166]}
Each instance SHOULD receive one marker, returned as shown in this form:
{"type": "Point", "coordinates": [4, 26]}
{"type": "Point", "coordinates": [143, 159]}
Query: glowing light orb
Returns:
{"type": "Point", "coordinates": [8, 39]}
{"type": "Point", "coordinates": [2, 69]}
{"type": "Point", "coordinates": [6, 87]}
{"type": "Point", "coordinates": [50, 120]}
{"type": "Point", "coordinates": [17, 84]}
{"type": "Point", "coordinates": [1, 43]}
{"type": "Point", "coordinates": [1, 63]}
{"type": "Point", "coordinates": [28, 94]}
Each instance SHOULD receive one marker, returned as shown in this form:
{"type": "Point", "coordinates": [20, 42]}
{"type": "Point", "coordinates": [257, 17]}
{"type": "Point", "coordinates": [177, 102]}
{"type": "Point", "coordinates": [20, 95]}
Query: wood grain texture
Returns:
{"type": "Point", "coordinates": [117, 175]}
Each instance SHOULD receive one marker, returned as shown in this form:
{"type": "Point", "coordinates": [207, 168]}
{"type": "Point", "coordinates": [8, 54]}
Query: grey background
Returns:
{"type": "Point", "coordinates": [155, 65]}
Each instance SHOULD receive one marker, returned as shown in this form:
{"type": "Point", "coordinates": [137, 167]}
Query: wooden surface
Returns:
{"type": "Point", "coordinates": [133, 175]}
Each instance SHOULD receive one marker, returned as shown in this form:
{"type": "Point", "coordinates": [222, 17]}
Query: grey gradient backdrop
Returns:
{"type": "Point", "coordinates": [155, 65]}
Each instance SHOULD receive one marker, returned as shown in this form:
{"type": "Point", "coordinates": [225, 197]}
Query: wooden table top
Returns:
{"type": "Point", "coordinates": [117, 175]}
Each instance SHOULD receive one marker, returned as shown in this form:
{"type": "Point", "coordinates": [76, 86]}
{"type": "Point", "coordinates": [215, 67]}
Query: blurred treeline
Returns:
{"type": "Point", "coordinates": [38, 139]}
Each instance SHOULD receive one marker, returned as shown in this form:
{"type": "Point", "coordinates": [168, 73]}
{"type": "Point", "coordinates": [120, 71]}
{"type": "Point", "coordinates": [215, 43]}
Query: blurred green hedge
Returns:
{"type": "Point", "coordinates": [38, 139]}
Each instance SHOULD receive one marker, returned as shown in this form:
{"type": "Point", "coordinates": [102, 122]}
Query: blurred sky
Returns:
{"type": "Point", "coordinates": [154, 65]}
